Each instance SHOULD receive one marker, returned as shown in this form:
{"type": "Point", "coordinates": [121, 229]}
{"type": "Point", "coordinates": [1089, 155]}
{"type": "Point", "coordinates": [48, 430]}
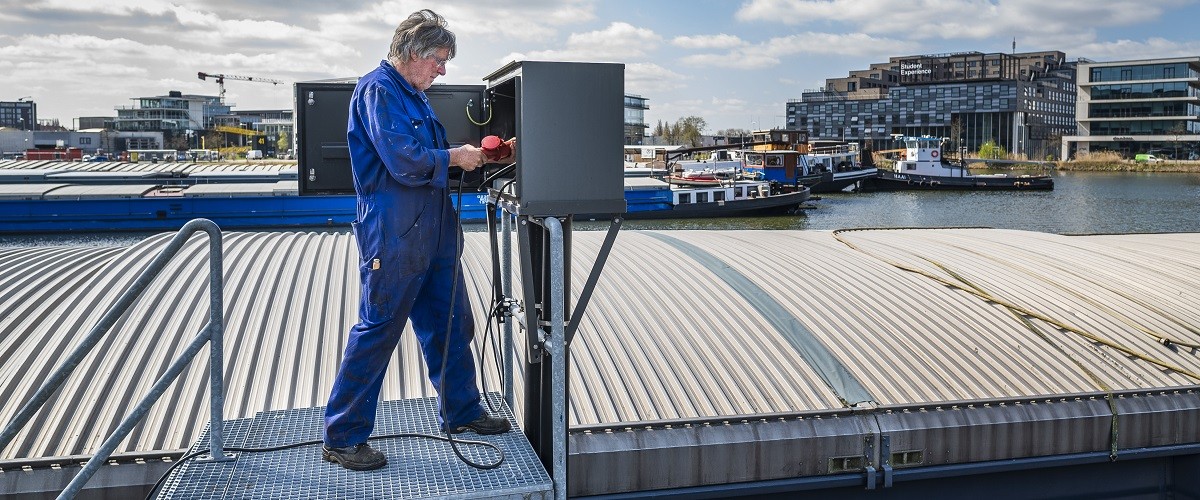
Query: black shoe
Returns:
{"type": "Point", "coordinates": [358, 457]}
{"type": "Point", "coordinates": [485, 425]}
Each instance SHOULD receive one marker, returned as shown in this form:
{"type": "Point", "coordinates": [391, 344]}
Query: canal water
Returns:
{"type": "Point", "coordinates": [1081, 203]}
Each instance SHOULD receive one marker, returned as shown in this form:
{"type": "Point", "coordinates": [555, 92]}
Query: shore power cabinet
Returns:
{"type": "Point", "coordinates": [322, 115]}
{"type": "Point", "coordinates": [568, 119]}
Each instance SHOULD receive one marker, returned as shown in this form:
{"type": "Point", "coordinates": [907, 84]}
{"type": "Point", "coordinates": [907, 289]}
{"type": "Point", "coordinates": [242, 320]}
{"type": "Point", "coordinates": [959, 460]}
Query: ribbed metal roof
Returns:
{"type": "Point", "coordinates": [99, 191]}
{"type": "Point", "coordinates": [33, 191]}
{"type": "Point", "coordinates": [9, 175]}
{"type": "Point", "coordinates": [144, 166]}
{"type": "Point", "coordinates": [683, 325]}
{"type": "Point", "coordinates": [227, 189]}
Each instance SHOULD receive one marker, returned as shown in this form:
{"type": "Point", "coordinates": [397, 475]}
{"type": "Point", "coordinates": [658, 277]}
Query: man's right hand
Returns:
{"type": "Point", "coordinates": [467, 157]}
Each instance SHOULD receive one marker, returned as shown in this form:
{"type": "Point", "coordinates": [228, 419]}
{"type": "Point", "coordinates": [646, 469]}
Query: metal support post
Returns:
{"type": "Point", "coordinates": [506, 284]}
{"type": "Point", "coordinates": [558, 352]}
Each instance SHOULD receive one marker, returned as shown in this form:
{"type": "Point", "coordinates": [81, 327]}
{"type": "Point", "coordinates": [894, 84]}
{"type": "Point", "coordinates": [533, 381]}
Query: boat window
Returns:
{"type": "Point", "coordinates": [754, 159]}
{"type": "Point", "coordinates": [739, 192]}
{"type": "Point", "coordinates": [685, 198]}
{"type": "Point", "coordinates": [910, 166]}
{"type": "Point", "coordinates": [702, 197]}
{"type": "Point", "coordinates": [774, 160]}
{"type": "Point", "coordinates": [718, 196]}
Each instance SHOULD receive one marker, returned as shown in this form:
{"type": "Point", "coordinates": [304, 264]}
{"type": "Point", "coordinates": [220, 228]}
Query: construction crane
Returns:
{"type": "Point", "coordinates": [221, 80]}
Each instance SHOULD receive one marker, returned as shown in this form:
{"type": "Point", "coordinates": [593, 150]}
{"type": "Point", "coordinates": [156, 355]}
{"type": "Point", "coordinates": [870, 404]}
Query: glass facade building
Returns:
{"type": "Point", "coordinates": [635, 118]}
{"type": "Point", "coordinates": [1022, 102]}
{"type": "Point", "coordinates": [173, 113]}
{"type": "Point", "coordinates": [20, 114]}
{"type": "Point", "coordinates": [1143, 106]}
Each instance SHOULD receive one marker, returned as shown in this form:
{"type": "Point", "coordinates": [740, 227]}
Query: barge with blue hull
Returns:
{"type": "Point", "coordinates": [650, 198]}
{"type": "Point", "coordinates": [158, 197]}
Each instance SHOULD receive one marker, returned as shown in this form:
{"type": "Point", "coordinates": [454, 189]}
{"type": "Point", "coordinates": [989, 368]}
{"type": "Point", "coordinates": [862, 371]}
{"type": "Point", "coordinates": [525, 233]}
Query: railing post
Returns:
{"type": "Point", "coordinates": [68, 365]}
{"type": "Point", "coordinates": [213, 332]}
{"type": "Point", "coordinates": [216, 346]}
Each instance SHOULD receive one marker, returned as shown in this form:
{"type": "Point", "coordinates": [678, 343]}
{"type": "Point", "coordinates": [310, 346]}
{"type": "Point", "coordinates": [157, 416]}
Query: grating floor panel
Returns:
{"type": "Point", "coordinates": [417, 467]}
{"type": "Point", "coordinates": [199, 479]}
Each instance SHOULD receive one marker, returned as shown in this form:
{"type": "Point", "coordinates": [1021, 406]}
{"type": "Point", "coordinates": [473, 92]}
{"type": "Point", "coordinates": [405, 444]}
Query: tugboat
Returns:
{"type": "Point", "coordinates": [839, 167]}
{"type": "Point", "coordinates": [926, 169]}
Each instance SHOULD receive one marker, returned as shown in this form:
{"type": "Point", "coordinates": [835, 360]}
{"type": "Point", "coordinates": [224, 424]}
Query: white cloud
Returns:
{"type": "Point", "coordinates": [958, 19]}
{"type": "Point", "coordinates": [720, 41]}
{"type": "Point", "coordinates": [732, 104]}
{"type": "Point", "coordinates": [772, 52]}
{"type": "Point", "coordinates": [1130, 49]}
{"type": "Point", "coordinates": [731, 60]}
{"type": "Point", "coordinates": [645, 78]}
{"type": "Point", "coordinates": [619, 42]}
{"type": "Point", "coordinates": [108, 7]}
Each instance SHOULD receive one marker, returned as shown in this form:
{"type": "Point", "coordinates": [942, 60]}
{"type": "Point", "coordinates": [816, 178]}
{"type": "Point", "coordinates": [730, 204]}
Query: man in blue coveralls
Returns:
{"type": "Point", "coordinates": [408, 234]}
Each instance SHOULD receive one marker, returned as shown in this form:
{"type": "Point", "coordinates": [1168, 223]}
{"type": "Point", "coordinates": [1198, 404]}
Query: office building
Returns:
{"type": "Point", "coordinates": [1022, 102]}
{"type": "Point", "coordinates": [179, 117]}
{"type": "Point", "coordinates": [1140, 106]}
{"type": "Point", "coordinates": [20, 114]}
{"type": "Point", "coordinates": [635, 119]}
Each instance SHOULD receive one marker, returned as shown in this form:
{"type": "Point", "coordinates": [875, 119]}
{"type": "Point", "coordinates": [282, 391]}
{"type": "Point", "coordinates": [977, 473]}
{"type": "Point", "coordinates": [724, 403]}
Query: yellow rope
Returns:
{"type": "Point", "coordinates": [1011, 306]}
{"type": "Point", "coordinates": [1158, 337]}
{"type": "Point", "coordinates": [1099, 383]}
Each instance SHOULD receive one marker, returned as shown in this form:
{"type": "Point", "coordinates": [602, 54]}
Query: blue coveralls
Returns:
{"type": "Point", "coordinates": [407, 232]}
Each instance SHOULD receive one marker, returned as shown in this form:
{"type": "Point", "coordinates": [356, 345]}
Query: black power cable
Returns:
{"type": "Point", "coordinates": [446, 344]}
{"type": "Point", "coordinates": [157, 485]}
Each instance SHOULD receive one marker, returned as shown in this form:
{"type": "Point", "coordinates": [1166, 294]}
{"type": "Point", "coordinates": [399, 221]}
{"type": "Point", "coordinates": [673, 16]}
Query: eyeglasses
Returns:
{"type": "Point", "coordinates": [440, 62]}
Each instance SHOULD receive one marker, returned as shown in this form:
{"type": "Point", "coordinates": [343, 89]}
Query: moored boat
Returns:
{"type": "Point", "coordinates": [839, 167]}
{"type": "Point", "coordinates": [925, 168]}
{"type": "Point", "coordinates": [654, 199]}
{"type": "Point", "coordinates": [718, 168]}
{"type": "Point", "coordinates": [822, 171]}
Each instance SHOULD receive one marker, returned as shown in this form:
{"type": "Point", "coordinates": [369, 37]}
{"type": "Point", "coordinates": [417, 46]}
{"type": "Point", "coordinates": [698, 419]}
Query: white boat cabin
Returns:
{"type": "Point", "coordinates": [838, 158]}
{"type": "Point", "coordinates": [717, 162]}
{"type": "Point", "coordinates": [738, 190]}
{"type": "Point", "coordinates": [924, 157]}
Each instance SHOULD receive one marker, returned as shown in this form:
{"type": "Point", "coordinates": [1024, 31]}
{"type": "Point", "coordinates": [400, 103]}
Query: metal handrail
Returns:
{"type": "Point", "coordinates": [212, 332]}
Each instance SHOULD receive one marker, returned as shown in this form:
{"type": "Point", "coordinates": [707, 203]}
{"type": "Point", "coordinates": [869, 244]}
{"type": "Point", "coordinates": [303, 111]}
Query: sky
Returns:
{"type": "Point", "coordinates": [733, 63]}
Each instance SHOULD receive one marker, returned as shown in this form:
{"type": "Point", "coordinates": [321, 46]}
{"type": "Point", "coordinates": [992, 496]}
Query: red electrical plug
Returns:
{"type": "Point", "coordinates": [495, 148]}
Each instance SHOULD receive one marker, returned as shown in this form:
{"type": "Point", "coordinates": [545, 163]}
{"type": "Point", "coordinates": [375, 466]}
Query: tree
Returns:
{"type": "Point", "coordinates": [282, 144]}
{"type": "Point", "coordinates": [211, 140]}
{"type": "Point", "coordinates": [956, 135]}
{"type": "Point", "coordinates": [177, 142]}
{"type": "Point", "coordinates": [1177, 132]}
{"type": "Point", "coordinates": [992, 150]}
{"type": "Point", "coordinates": [1054, 144]}
{"type": "Point", "coordinates": [691, 129]}
{"type": "Point", "coordinates": [688, 130]}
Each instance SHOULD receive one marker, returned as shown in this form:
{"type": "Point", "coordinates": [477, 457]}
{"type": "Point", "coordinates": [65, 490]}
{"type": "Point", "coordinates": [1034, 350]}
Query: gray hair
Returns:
{"type": "Point", "coordinates": [421, 35]}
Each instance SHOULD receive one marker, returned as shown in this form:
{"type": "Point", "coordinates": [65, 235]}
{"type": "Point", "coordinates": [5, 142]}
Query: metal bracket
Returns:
{"type": "Point", "coordinates": [590, 286]}
{"type": "Point", "coordinates": [227, 457]}
{"type": "Point", "coordinates": [869, 451]}
{"type": "Point", "coordinates": [885, 455]}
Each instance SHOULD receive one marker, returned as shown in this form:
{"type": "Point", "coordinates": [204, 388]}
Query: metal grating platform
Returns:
{"type": "Point", "coordinates": [417, 467]}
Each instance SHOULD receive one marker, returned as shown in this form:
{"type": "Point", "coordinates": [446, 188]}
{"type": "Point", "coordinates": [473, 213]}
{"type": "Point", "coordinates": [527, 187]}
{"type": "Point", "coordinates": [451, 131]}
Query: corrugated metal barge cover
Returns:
{"type": "Point", "coordinates": [669, 354]}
